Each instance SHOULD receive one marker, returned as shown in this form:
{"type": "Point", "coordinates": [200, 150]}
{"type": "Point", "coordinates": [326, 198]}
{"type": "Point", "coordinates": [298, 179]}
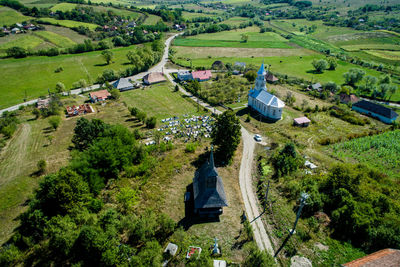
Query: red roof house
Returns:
{"type": "Point", "coordinates": [202, 75]}
{"type": "Point", "coordinates": [79, 110]}
{"type": "Point", "coordinates": [154, 77]}
{"type": "Point", "coordinates": [385, 257]}
{"type": "Point", "coordinates": [99, 96]}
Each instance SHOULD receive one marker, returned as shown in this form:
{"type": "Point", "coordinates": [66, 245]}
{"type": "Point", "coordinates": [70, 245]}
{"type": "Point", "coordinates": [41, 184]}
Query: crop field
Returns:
{"type": "Point", "coordinates": [233, 39]}
{"type": "Point", "coordinates": [9, 16]}
{"type": "Point", "coordinates": [63, 7]}
{"type": "Point", "coordinates": [391, 55]}
{"type": "Point", "coordinates": [38, 73]}
{"type": "Point", "coordinates": [151, 20]}
{"type": "Point", "coordinates": [190, 15]}
{"type": "Point", "coordinates": [54, 38]}
{"type": "Point", "coordinates": [69, 23]}
{"type": "Point", "coordinates": [380, 151]}
{"type": "Point", "coordinates": [159, 100]}
{"type": "Point", "coordinates": [118, 11]}
{"type": "Point", "coordinates": [185, 52]}
{"type": "Point", "coordinates": [67, 32]}
{"type": "Point", "coordinates": [234, 21]}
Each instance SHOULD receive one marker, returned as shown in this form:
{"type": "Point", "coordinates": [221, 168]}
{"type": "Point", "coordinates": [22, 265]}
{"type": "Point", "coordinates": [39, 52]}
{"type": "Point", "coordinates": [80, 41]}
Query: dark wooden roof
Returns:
{"type": "Point", "coordinates": [377, 109]}
{"type": "Point", "coordinates": [208, 188]}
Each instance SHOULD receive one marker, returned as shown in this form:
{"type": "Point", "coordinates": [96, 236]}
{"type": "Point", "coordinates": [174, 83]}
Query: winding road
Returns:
{"type": "Point", "coordinates": [245, 174]}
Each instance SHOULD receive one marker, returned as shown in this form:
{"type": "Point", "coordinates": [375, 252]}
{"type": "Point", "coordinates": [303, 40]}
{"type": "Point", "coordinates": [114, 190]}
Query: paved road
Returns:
{"type": "Point", "coordinates": [159, 67]}
{"type": "Point", "coordinates": [245, 179]}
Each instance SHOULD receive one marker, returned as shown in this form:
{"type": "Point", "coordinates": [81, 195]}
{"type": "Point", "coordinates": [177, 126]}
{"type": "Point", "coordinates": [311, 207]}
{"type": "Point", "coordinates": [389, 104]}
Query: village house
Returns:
{"type": "Point", "coordinates": [385, 257]}
{"type": "Point", "coordinates": [153, 77]}
{"type": "Point", "coordinates": [270, 78]}
{"type": "Point", "coordinates": [380, 112]}
{"type": "Point", "coordinates": [316, 86]}
{"type": "Point", "coordinates": [184, 75]}
{"type": "Point", "coordinates": [301, 122]}
{"type": "Point", "coordinates": [202, 75]}
{"type": "Point", "coordinates": [79, 110]}
{"type": "Point", "coordinates": [122, 84]}
{"type": "Point", "coordinates": [262, 101]}
{"type": "Point", "coordinates": [345, 98]}
{"type": "Point", "coordinates": [97, 96]}
{"type": "Point", "coordinates": [208, 190]}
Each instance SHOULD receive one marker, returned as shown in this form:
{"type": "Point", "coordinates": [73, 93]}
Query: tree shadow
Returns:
{"type": "Point", "coordinates": [47, 130]}
{"type": "Point", "coordinates": [191, 218]}
{"type": "Point", "coordinates": [314, 72]}
{"type": "Point", "coordinates": [101, 65]}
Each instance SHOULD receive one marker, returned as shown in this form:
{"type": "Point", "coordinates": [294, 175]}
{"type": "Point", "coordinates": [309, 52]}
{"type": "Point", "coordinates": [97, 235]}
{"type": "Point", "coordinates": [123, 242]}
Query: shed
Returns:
{"type": "Point", "coordinates": [122, 84]}
{"type": "Point", "coordinates": [43, 103]}
{"type": "Point", "coordinates": [316, 86]}
{"type": "Point", "coordinates": [378, 111]}
{"type": "Point", "coordinates": [269, 77]}
{"type": "Point", "coordinates": [345, 98]}
{"type": "Point", "coordinates": [302, 122]}
{"type": "Point", "coordinates": [154, 77]}
{"type": "Point", "coordinates": [208, 190]}
{"type": "Point", "coordinates": [310, 165]}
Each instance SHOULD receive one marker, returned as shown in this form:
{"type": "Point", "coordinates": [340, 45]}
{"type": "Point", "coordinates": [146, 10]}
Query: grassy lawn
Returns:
{"type": "Point", "coordinates": [159, 100]}
{"type": "Point", "coordinates": [69, 23]}
{"type": "Point", "coordinates": [233, 39]}
{"type": "Point", "coordinates": [234, 21]}
{"type": "Point", "coordinates": [38, 73]}
{"type": "Point", "coordinates": [151, 20]}
{"type": "Point", "coordinates": [63, 7]}
{"type": "Point", "coordinates": [9, 16]}
{"type": "Point", "coordinates": [27, 41]}
{"type": "Point", "coordinates": [190, 15]}
{"type": "Point", "coordinates": [54, 38]}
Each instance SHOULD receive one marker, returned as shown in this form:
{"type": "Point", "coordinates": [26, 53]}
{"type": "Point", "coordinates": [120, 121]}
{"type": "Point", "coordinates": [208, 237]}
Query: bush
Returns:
{"type": "Point", "coordinates": [191, 147]}
{"type": "Point", "coordinates": [59, 69]}
{"type": "Point", "coordinates": [115, 94]}
{"type": "Point", "coordinates": [41, 165]}
{"type": "Point", "coordinates": [151, 122]}
{"type": "Point", "coordinates": [55, 121]}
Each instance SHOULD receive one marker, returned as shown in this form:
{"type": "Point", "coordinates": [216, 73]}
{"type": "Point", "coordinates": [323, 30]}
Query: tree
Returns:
{"type": "Point", "coordinates": [16, 52]}
{"type": "Point", "coordinates": [86, 132]}
{"type": "Point", "coordinates": [392, 90]}
{"type": "Point", "coordinates": [332, 87]}
{"type": "Point", "coordinates": [290, 99]}
{"type": "Point", "coordinates": [134, 111]}
{"type": "Point", "coordinates": [287, 160]}
{"type": "Point", "coordinates": [141, 115]}
{"type": "Point", "coordinates": [107, 55]}
{"type": "Point", "coordinates": [55, 121]}
{"type": "Point", "coordinates": [244, 37]}
{"type": "Point", "coordinates": [226, 135]}
{"type": "Point", "coordinates": [115, 93]}
{"type": "Point", "coordinates": [151, 122]}
{"type": "Point", "coordinates": [133, 57]}
{"type": "Point", "coordinates": [36, 112]}
{"type": "Point", "coordinates": [127, 197]}
{"type": "Point", "coordinates": [176, 88]}
{"type": "Point", "coordinates": [259, 258]}
{"type": "Point", "coordinates": [250, 75]}
{"type": "Point", "coordinates": [320, 65]}
{"type": "Point", "coordinates": [370, 83]}
{"type": "Point", "coordinates": [353, 76]}
{"type": "Point", "coordinates": [60, 87]}
{"type": "Point", "coordinates": [332, 63]}
{"type": "Point", "coordinates": [385, 79]}
{"type": "Point", "coordinates": [41, 165]}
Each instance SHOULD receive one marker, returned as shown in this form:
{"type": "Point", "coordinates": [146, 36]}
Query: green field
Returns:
{"type": "Point", "coordinates": [9, 16]}
{"type": "Point", "coordinates": [190, 15]}
{"type": "Point", "coordinates": [38, 73]}
{"type": "Point", "coordinates": [67, 32]}
{"type": "Point", "coordinates": [63, 7]}
{"type": "Point", "coordinates": [290, 65]}
{"type": "Point", "coordinates": [235, 21]}
{"type": "Point", "coordinates": [380, 151]}
{"type": "Point", "coordinates": [69, 23]}
{"type": "Point", "coordinates": [159, 100]}
{"type": "Point", "coordinates": [391, 55]}
{"type": "Point", "coordinates": [233, 39]}
{"type": "Point", "coordinates": [151, 20]}
{"type": "Point", "coordinates": [55, 39]}
{"type": "Point", "coordinates": [27, 41]}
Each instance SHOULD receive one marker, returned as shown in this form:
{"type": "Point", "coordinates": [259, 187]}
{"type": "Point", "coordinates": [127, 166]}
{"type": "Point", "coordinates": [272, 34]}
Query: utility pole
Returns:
{"type": "Point", "coordinates": [266, 197]}
{"type": "Point", "coordinates": [303, 198]}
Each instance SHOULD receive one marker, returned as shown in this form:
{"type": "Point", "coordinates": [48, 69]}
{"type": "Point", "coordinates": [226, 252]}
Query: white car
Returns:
{"type": "Point", "coordinates": [257, 137]}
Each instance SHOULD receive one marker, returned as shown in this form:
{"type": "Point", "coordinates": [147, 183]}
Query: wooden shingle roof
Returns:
{"type": "Point", "coordinates": [376, 108]}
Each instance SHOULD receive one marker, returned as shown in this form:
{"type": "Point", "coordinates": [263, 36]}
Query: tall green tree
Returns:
{"type": "Point", "coordinates": [226, 135]}
{"type": "Point", "coordinates": [320, 65]}
{"type": "Point", "coordinates": [353, 76]}
{"type": "Point", "coordinates": [107, 55]}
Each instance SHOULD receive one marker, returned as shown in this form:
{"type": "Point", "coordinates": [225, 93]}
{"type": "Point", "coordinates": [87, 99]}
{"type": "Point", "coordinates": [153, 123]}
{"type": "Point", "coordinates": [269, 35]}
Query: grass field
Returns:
{"type": "Point", "coordinates": [291, 65]}
{"type": "Point", "coordinates": [380, 151]}
{"type": "Point", "coordinates": [190, 15]}
{"type": "Point", "coordinates": [38, 73]}
{"type": "Point", "coordinates": [54, 38]}
{"type": "Point", "coordinates": [151, 20]}
{"type": "Point", "coordinates": [63, 7]}
{"type": "Point", "coordinates": [9, 16]}
{"type": "Point", "coordinates": [67, 32]}
{"type": "Point", "coordinates": [233, 39]}
{"type": "Point", "coordinates": [391, 55]}
{"type": "Point", "coordinates": [159, 100]}
{"type": "Point", "coordinates": [234, 21]}
{"type": "Point", "coordinates": [69, 23]}
{"type": "Point", "coordinates": [27, 41]}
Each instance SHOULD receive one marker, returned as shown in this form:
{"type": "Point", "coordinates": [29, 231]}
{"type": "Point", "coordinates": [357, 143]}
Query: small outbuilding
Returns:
{"type": "Point", "coordinates": [208, 190]}
{"type": "Point", "coordinates": [382, 113]}
{"type": "Point", "coordinates": [316, 86]}
{"type": "Point", "coordinates": [43, 103]}
{"type": "Point", "coordinates": [122, 84]}
{"type": "Point", "coordinates": [301, 122]}
{"type": "Point", "coordinates": [153, 77]}
{"type": "Point", "coordinates": [345, 98]}
{"type": "Point", "coordinates": [97, 96]}
{"type": "Point", "coordinates": [270, 78]}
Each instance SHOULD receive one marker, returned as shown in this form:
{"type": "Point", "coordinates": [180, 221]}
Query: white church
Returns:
{"type": "Point", "coordinates": [262, 101]}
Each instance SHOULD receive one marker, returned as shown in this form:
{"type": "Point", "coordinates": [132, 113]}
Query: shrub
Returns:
{"type": "Point", "coordinates": [41, 165]}
{"type": "Point", "coordinates": [191, 147]}
{"type": "Point", "coordinates": [59, 69]}
{"type": "Point", "coordinates": [55, 121]}
{"type": "Point", "coordinates": [151, 122]}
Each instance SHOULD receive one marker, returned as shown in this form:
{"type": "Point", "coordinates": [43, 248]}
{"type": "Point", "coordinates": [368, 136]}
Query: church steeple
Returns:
{"type": "Point", "coordinates": [211, 161]}
{"type": "Point", "coordinates": [260, 80]}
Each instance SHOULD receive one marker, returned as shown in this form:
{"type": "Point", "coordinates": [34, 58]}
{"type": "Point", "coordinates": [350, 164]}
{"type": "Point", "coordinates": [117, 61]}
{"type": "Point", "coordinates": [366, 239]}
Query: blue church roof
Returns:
{"type": "Point", "coordinates": [262, 69]}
